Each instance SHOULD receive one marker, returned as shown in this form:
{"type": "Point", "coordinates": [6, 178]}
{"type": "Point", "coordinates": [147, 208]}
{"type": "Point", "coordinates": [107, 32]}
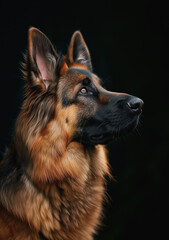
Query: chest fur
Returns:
{"type": "Point", "coordinates": [77, 203]}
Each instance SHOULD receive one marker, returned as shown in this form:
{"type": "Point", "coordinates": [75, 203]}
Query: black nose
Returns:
{"type": "Point", "coordinates": [135, 104]}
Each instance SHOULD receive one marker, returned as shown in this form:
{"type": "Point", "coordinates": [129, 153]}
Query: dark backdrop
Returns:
{"type": "Point", "coordinates": [128, 45]}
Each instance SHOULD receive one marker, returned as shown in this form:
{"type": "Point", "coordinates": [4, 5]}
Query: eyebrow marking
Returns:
{"type": "Point", "coordinates": [83, 71]}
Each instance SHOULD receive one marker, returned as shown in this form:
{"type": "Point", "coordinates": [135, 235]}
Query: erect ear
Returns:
{"type": "Point", "coordinates": [78, 50]}
{"type": "Point", "coordinates": [43, 58]}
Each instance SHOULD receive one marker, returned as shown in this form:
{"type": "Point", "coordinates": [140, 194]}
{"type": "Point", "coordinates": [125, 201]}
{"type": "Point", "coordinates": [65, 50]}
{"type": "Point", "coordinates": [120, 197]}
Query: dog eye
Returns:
{"type": "Point", "coordinates": [83, 90]}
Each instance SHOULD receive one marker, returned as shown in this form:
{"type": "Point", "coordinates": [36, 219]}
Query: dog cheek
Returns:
{"type": "Point", "coordinates": [87, 109]}
{"type": "Point", "coordinates": [69, 117]}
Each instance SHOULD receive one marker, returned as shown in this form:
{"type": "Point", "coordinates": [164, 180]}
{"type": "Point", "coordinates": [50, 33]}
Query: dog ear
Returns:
{"type": "Point", "coordinates": [78, 50]}
{"type": "Point", "coordinates": [43, 59]}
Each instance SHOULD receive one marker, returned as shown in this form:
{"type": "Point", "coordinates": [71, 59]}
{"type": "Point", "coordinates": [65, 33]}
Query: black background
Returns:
{"type": "Point", "coordinates": [129, 48]}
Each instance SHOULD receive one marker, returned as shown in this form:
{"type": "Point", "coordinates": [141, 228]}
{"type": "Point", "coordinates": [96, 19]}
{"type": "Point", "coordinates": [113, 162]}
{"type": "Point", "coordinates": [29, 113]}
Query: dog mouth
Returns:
{"type": "Point", "coordinates": [97, 137]}
{"type": "Point", "coordinates": [94, 133]}
{"type": "Point", "coordinates": [100, 138]}
{"type": "Point", "coordinates": [104, 137]}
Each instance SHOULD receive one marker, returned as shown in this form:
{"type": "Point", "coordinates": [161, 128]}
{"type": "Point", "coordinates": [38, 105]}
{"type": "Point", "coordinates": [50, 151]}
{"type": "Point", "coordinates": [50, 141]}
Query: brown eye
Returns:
{"type": "Point", "coordinates": [83, 90]}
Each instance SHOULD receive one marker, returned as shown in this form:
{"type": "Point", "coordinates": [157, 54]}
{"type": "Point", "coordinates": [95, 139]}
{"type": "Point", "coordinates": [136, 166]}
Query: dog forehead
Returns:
{"type": "Point", "coordinates": [86, 73]}
{"type": "Point", "coordinates": [82, 71]}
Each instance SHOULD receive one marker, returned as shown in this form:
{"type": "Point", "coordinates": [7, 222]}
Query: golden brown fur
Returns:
{"type": "Point", "coordinates": [69, 210]}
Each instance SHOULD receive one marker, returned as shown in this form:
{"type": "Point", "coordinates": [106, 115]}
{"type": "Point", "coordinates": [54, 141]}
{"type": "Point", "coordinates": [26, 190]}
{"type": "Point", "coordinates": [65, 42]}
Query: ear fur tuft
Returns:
{"type": "Point", "coordinates": [64, 68]}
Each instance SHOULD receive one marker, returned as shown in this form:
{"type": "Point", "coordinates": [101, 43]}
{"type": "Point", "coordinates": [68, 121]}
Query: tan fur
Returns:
{"type": "Point", "coordinates": [67, 210]}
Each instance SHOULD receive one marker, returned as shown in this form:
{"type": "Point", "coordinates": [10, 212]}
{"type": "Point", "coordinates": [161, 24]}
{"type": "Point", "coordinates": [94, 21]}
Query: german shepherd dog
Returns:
{"type": "Point", "coordinates": [52, 177]}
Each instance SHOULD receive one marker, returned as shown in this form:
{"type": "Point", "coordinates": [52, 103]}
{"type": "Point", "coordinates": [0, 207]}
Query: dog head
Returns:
{"type": "Point", "coordinates": [64, 90]}
{"type": "Point", "coordinates": [65, 103]}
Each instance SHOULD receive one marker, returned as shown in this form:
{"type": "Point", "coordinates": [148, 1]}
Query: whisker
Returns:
{"type": "Point", "coordinates": [137, 131]}
{"type": "Point", "coordinates": [102, 124]}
